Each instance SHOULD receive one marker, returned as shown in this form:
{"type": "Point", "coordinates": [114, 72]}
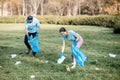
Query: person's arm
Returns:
{"type": "Point", "coordinates": [26, 31]}
{"type": "Point", "coordinates": [38, 25]}
{"type": "Point", "coordinates": [63, 46]}
{"type": "Point", "coordinates": [38, 29]}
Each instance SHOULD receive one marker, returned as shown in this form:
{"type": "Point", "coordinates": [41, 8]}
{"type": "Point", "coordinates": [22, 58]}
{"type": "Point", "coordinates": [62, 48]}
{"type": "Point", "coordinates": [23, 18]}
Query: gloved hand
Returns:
{"type": "Point", "coordinates": [61, 54]}
{"type": "Point", "coordinates": [37, 34]}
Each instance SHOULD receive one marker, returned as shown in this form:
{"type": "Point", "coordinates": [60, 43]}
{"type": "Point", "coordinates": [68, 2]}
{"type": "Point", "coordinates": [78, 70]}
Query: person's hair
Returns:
{"type": "Point", "coordinates": [62, 29]}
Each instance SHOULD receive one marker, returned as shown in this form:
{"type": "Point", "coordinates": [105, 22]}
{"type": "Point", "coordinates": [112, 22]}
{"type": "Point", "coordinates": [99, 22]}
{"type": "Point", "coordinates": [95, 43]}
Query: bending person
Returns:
{"type": "Point", "coordinates": [32, 29]}
{"type": "Point", "coordinates": [77, 40]}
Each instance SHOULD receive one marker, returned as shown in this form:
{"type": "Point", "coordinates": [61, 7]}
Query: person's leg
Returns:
{"type": "Point", "coordinates": [27, 44]}
{"type": "Point", "coordinates": [74, 63]}
{"type": "Point", "coordinates": [34, 53]}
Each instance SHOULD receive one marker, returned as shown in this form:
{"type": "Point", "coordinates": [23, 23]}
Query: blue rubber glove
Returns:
{"type": "Point", "coordinates": [61, 54]}
{"type": "Point", "coordinates": [37, 34]}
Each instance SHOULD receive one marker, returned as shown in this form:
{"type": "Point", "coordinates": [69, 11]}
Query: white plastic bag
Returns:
{"type": "Point", "coordinates": [32, 76]}
{"type": "Point", "coordinates": [13, 55]}
{"type": "Point", "coordinates": [112, 55]}
{"type": "Point", "coordinates": [18, 62]}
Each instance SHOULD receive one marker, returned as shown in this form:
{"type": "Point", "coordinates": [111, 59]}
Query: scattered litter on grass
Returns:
{"type": "Point", "coordinates": [32, 76]}
{"type": "Point", "coordinates": [46, 61]}
{"type": "Point", "coordinates": [97, 69]}
{"type": "Point", "coordinates": [105, 56]}
{"type": "Point", "coordinates": [96, 60]}
{"type": "Point", "coordinates": [13, 55]}
{"type": "Point", "coordinates": [67, 68]}
{"type": "Point", "coordinates": [112, 55]}
{"type": "Point", "coordinates": [18, 62]}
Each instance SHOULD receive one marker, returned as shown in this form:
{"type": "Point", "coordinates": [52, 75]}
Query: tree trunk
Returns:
{"type": "Point", "coordinates": [91, 7]}
{"type": "Point", "coordinates": [41, 6]}
{"type": "Point", "coordinates": [26, 10]}
{"type": "Point", "coordinates": [23, 8]}
{"type": "Point", "coordinates": [75, 8]}
{"type": "Point", "coordinates": [99, 6]}
{"type": "Point", "coordinates": [68, 12]}
{"type": "Point", "coordinates": [35, 4]}
{"type": "Point", "coordinates": [11, 11]}
{"type": "Point", "coordinates": [2, 6]}
{"type": "Point", "coordinates": [68, 9]}
{"type": "Point", "coordinates": [19, 11]}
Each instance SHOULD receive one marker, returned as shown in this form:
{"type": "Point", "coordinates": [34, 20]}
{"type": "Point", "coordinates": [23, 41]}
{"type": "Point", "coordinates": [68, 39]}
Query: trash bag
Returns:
{"type": "Point", "coordinates": [34, 43]}
{"type": "Point", "coordinates": [78, 54]}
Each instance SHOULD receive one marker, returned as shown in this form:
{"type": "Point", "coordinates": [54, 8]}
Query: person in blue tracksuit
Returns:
{"type": "Point", "coordinates": [32, 28]}
{"type": "Point", "coordinates": [77, 55]}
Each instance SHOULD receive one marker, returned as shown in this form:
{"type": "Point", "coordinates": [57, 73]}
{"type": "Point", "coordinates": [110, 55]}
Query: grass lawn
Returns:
{"type": "Point", "coordinates": [98, 43]}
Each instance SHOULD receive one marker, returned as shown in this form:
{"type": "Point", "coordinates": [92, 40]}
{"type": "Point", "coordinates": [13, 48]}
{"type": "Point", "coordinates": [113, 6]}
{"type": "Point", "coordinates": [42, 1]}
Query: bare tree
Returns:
{"type": "Point", "coordinates": [99, 6]}
{"type": "Point", "coordinates": [69, 5]}
{"type": "Point", "coordinates": [41, 7]}
{"type": "Point", "coordinates": [2, 6]}
{"type": "Point", "coordinates": [75, 7]}
{"type": "Point", "coordinates": [23, 7]}
{"type": "Point", "coordinates": [58, 7]}
{"type": "Point", "coordinates": [35, 4]}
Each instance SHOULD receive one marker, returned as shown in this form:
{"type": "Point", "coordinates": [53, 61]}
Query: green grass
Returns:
{"type": "Point", "coordinates": [98, 43]}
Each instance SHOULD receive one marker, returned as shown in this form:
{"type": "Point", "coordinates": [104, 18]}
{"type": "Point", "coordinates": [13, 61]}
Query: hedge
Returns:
{"type": "Point", "coordinates": [99, 20]}
{"type": "Point", "coordinates": [117, 24]}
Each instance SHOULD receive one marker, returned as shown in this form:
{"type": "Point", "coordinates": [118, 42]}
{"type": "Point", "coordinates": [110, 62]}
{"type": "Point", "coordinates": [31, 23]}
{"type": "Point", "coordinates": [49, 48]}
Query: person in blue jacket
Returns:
{"type": "Point", "coordinates": [77, 40]}
{"type": "Point", "coordinates": [32, 28]}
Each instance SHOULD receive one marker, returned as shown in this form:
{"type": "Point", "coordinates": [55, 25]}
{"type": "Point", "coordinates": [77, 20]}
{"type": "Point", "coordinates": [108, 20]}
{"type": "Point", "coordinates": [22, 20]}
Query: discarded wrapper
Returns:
{"type": "Point", "coordinates": [112, 55]}
{"type": "Point", "coordinates": [67, 68]}
{"type": "Point", "coordinates": [18, 62]}
{"type": "Point", "coordinates": [46, 61]}
{"type": "Point", "coordinates": [13, 55]}
{"type": "Point", "coordinates": [32, 76]}
{"type": "Point", "coordinates": [97, 69]}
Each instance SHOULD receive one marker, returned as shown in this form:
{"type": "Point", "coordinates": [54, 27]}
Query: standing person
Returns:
{"type": "Point", "coordinates": [76, 54]}
{"type": "Point", "coordinates": [32, 28]}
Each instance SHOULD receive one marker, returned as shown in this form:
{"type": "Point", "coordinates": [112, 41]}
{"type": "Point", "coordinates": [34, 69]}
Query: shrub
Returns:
{"type": "Point", "coordinates": [99, 20]}
{"type": "Point", "coordinates": [117, 24]}
{"type": "Point", "coordinates": [12, 19]}
{"type": "Point", "coordinates": [117, 28]}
